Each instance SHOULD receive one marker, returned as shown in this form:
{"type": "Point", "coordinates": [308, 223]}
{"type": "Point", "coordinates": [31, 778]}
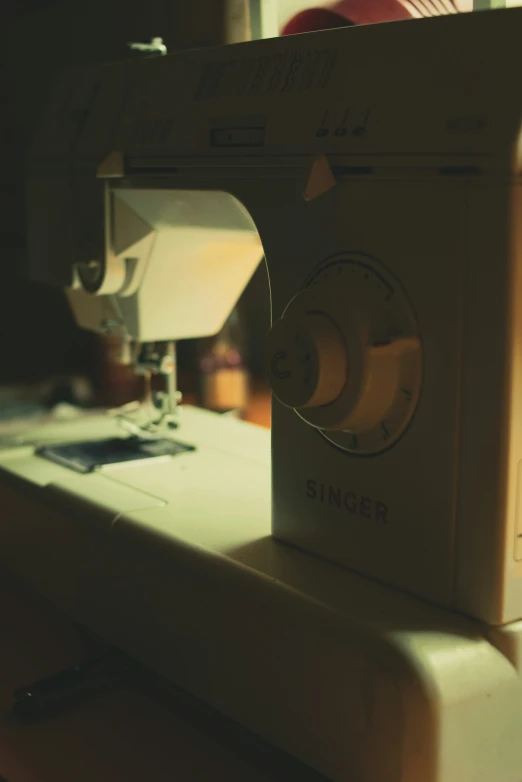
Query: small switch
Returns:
{"type": "Point", "coordinates": [237, 137]}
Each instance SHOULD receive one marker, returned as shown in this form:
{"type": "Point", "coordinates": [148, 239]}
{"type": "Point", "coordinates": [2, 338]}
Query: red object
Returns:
{"type": "Point", "coordinates": [344, 13]}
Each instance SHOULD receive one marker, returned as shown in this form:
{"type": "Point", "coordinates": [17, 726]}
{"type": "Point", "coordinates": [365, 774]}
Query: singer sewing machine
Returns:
{"type": "Point", "coordinates": [361, 610]}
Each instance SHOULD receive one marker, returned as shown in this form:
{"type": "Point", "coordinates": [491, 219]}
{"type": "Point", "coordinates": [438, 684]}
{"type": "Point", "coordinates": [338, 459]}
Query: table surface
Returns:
{"type": "Point", "coordinates": [139, 731]}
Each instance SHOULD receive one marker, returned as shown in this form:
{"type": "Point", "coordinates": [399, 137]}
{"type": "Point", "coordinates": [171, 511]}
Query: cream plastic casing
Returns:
{"type": "Point", "coordinates": [204, 243]}
{"type": "Point", "coordinates": [172, 557]}
{"type": "Point", "coordinates": [425, 186]}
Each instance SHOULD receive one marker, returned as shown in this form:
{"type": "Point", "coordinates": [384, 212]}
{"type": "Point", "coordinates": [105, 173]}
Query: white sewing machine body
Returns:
{"type": "Point", "coordinates": [172, 560]}
{"type": "Point", "coordinates": [387, 206]}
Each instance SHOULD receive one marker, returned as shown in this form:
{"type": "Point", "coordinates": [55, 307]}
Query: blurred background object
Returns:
{"type": "Point", "coordinates": [223, 374]}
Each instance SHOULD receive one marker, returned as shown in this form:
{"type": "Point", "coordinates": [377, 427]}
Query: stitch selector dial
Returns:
{"type": "Point", "coordinates": [346, 355]}
{"type": "Point", "coordinates": [308, 360]}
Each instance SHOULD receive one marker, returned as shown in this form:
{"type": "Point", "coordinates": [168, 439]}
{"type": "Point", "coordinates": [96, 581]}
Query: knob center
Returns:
{"type": "Point", "coordinates": [307, 361]}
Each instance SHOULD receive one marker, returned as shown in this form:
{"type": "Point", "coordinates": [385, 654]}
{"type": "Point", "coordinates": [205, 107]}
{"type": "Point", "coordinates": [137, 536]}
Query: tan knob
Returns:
{"type": "Point", "coordinates": [306, 360]}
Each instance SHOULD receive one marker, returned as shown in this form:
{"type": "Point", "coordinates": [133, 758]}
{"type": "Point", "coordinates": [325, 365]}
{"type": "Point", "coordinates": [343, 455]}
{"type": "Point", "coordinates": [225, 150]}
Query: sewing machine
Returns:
{"type": "Point", "coordinates": [362, 609]}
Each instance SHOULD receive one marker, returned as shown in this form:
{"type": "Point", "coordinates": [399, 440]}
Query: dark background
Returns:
{"type": "Point", "coordinates": [38, 337]}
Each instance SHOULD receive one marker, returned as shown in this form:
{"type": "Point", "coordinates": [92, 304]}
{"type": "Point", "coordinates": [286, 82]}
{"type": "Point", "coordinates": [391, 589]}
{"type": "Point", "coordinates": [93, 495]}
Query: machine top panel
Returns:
{"type": "Point", "coordinates": [407, 93]}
